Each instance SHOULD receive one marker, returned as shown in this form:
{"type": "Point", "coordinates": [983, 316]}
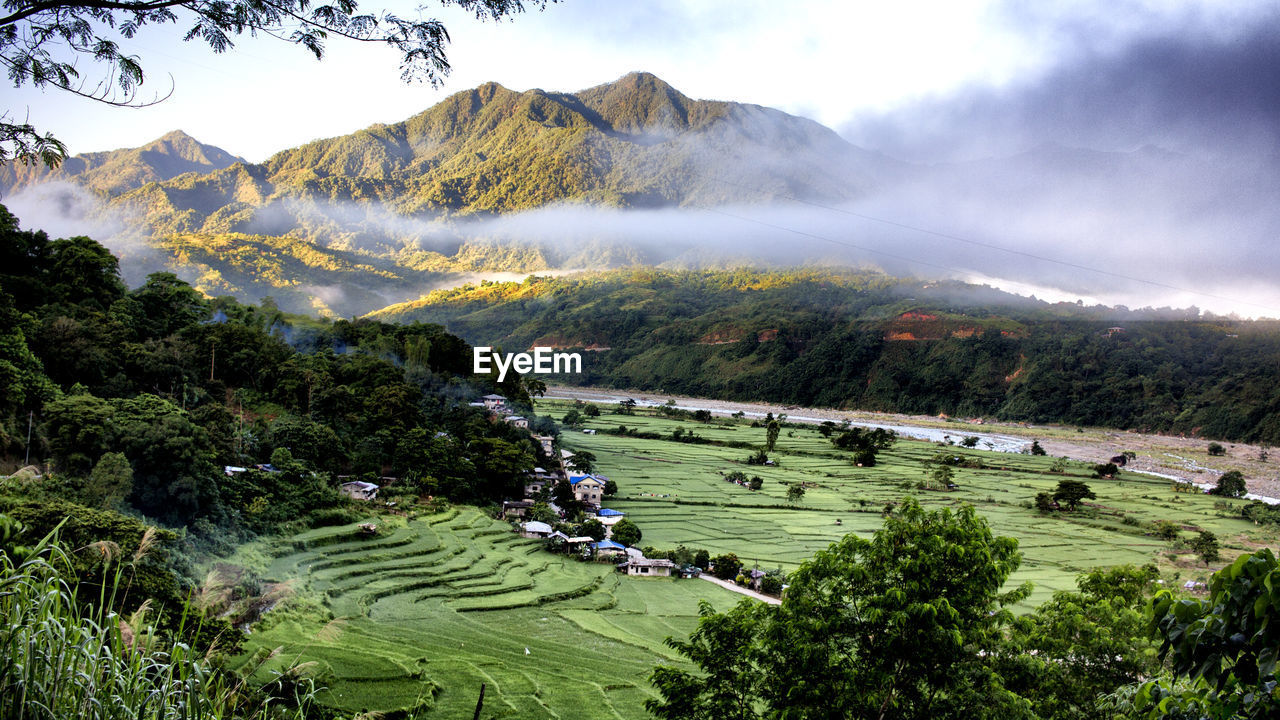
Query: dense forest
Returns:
{"type": "Point", "coordinates": [864, 340]}
{"type": "Point", "coordinates": [136, 401]}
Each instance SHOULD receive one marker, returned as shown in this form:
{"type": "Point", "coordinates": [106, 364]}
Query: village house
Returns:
{"type": "Point", "coordinates": [535, 529]}
{"type": "Point", "coordinates": [516, 508]}
{"type": "Point", "coordinates": [359, 490]}
{"type": "Point", "coordinates": [587, 489]}
{"type": "Point", "coordinates": [545, 441]}
{"type": "Point", "coordinates": [608, 547]}
{"type": "Point", "coordinates": [538, 480]}
{"type": "Point", "coordinates": [493, 402]}
{"type": "Point", "coordinates": [517, 421]}
{"type": "Point", "coordinates": [648, 567]}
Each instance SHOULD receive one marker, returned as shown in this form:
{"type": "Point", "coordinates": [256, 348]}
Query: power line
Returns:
{"type": "Point", "coordinates": [958, 238]}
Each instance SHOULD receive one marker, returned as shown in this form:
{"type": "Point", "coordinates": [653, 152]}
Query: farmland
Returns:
{"type": "Point", "coordinates": [676, 493]}
{"type": "Point", "coordinates": [424, 613]}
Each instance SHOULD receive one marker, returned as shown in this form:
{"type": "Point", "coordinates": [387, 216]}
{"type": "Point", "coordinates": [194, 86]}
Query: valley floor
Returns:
{"type": "Point", "coordinates": [1168, 455]}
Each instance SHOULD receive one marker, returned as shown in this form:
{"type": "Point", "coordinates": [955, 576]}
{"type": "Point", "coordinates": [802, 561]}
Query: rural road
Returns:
{"type": "Point", "coordinates": [741, 590]}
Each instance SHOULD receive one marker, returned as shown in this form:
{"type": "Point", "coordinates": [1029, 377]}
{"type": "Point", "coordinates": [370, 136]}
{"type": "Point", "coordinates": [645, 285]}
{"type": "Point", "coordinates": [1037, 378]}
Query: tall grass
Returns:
{"type": "Point", "coordinates": [62, 658]}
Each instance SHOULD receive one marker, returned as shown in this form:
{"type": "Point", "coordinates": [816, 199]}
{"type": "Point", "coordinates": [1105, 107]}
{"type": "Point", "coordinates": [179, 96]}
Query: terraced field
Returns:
{"type": "Point", "coordinates": [413, 621]}
{"type": "Point", "coordinates": [675, 491]}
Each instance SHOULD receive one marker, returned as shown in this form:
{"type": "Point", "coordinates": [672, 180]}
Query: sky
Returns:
{"type": "Point", "coordinates": [844, 64]}
{"type": "Point", "coordinates": [1188, 92]}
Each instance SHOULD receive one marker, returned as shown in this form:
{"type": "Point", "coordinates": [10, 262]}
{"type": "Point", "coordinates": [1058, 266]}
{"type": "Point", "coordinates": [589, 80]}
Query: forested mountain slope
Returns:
{"type": "Point", "coordinates": [864, 340]}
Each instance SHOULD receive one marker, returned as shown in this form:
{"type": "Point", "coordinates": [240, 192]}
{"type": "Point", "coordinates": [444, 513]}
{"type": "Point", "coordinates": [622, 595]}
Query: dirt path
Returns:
{"type": "Point", "coordinates": [1178, 456]}
{"type": "Point", "coordinates": [741, 590]}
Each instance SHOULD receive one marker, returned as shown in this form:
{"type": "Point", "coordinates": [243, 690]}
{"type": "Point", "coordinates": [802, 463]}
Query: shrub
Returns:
{"type": "Point", "coordinates": [1217, 450]}
{"type": "Point", "coordinates": [771, 584]}
{"type": "Point", "coordinates": [1166, 530]}
{"type": "Point", "coordinates": [326, 517]}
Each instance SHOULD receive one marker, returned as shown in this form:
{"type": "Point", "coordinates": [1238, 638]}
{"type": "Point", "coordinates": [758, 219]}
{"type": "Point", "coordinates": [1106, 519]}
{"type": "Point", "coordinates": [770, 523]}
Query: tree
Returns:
{"type": "Point", "coordinates": [111, 481]}
{"type": "Point", "coordinates": [1216, 449]}
{"type": "Point", "coordinates": [755, 483]}
{"type": "Point", "coordinates": [48, 43]}
{"type": "Point", "coordinates": [542, 512]}
{"type": "Point", "coordinates": [970, 441]}
{"type": "Point", "coordinates": [593, 529]}
{"type": "Point", "coordinates": [583, 461]}
{"type": "Point", "coordinates": [702, 416]}
{"type": "Point", "coordinates": [1206, 546]}
{"type": "Point", "coordinates": [722, 647]}
{"type": "Point", "coordinates": [1045, 502]}
{"type": "Point", "coordinates": [702, 559]}
{"type": "Point", "coordinates": [726, 567]}
{"type": "Point", "coordinates": [1036, 449]}
{"type": "Point", "coordinates": [1223, 646]}
{"type": "Point", "coordinates": [898, 626]}
{"type": "Point", "coordinates": [1230, 484]}
{"type": "Point", "coordinates": [573, 418]}
{"type": "Point", "coordinates": [627, 532]}
{"type": "Point", "coordinates": [771, 435]}
{"type": "Point", "coordinates": [627, 407]}
{"type": "Point", "coordinates": [795, 493]}
{"type": "Point", "coordinates": [610, 488]}
{"type": "Point", "coordinates": [1082, 645]}
{"type": "Point", "coordinates": [1105, 470]}
{"type": "Point", "coordinates": [591, 411]}
{"type": "Point", "coordinates": [1072, 492]}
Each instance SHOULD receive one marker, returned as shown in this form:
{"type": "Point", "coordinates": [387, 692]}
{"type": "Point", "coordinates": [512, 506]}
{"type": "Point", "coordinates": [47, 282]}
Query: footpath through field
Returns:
{"type": "Point", "coordinates": [741, 590]}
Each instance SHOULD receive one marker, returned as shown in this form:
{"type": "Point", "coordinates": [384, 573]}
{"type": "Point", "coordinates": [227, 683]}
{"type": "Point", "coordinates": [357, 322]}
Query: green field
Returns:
{"type": "Point", "coordinates": [676, 493]}
{"type": "Point", "coordinates": [423, 614]}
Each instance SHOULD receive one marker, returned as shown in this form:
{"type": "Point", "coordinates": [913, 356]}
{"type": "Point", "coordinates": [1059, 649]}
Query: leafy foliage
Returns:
{"type": "Point", "coordinates": [894, 626]}
{"type": "Point", "coordinates": [1230, 484]}
{"type": "Point", "coordinates": [1073, 492]}
{"type": "Point", "coordinates": [1225, 645]}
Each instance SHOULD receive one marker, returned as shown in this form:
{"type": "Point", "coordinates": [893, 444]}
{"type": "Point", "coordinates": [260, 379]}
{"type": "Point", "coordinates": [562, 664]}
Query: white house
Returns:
{"type": "Point", "coordinates": [535, 529]}
{"type": "Point", "coordinates": [358, 490]}
{"type": "Point", "coordinates": [493, 402]}
{"type": "Point", "coordinates": [650, 567]}
{"type": "Point", "coordinates": [517, 421]}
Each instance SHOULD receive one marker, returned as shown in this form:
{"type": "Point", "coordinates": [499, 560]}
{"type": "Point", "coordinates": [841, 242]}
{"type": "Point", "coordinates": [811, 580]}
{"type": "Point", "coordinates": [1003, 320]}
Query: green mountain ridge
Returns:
{"type": "Point", "coordinates": [865, 340]}
{"type": "Point", "coordinates": [114, 172]}
{"type": "Point", "coordinates": [396, 201]}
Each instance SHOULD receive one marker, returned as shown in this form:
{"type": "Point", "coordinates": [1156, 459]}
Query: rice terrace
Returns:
{"type": "Point", "coordinates": [437, 605]}
{"type": "Point", "coordinates": [440, 601]}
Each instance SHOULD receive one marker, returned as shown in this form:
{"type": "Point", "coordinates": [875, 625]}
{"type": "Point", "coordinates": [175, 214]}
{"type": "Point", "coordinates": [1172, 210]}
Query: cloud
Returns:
{"type": "Point", "coordinates": [1194, 81]}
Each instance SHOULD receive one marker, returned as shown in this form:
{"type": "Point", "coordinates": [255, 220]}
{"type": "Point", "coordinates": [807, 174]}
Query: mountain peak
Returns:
{"type": "Point", "coordinates": [639, 103]}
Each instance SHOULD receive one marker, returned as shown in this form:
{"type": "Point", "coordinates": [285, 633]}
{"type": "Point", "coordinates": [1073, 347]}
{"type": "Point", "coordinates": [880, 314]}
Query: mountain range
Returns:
{"type": "Point", "coordinates": [349, 224]}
